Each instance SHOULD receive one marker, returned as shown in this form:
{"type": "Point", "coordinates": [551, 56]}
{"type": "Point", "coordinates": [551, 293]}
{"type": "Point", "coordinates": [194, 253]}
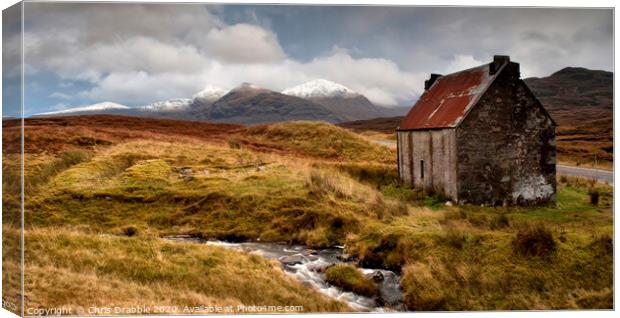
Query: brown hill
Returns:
{"type": "Point", "coordinates": [576, 96]}
{"type": "Point", "coordinates": [248, 104]}
{"type": "Point", "coordinates": [56, 134]}
{"type": "Point", "coordinates": [581, 102]}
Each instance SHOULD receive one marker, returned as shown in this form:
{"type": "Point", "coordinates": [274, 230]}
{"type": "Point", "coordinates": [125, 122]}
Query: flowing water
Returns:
{"type": "Point", "coordinates": [307, 266]}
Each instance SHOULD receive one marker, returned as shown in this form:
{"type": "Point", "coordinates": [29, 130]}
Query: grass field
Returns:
{"type": "Point", "coordinates": [100, 196]}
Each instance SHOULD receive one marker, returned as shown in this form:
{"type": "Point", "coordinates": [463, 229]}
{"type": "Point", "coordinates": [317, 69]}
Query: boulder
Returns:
{"type": "Point", "coordinates": [292, 259]}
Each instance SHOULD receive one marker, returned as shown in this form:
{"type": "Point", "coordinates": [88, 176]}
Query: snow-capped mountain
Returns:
{"type": "Point", "coordinates": [320, 88]}
{"type": "Point", "coordinates": [250, 104]}
{"type": "Point", "coordinates": [337, 98]}
{"type": "Point", "coordinates": [176, 104]}
{"type": "Point", "coordinates": [209, 94]}
{"type": "Point", "coordinates": [99, 107]}
{"type": "Point", "coordinates": [249, 87]}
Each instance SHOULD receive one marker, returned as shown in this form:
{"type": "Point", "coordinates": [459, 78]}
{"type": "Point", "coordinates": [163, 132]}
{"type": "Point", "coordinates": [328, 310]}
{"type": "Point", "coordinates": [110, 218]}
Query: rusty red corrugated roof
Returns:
{"type": "Point", "coordinates": [447, 101]}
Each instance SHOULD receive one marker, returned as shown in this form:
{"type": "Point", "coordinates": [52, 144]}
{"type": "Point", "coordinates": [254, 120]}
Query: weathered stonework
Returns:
{"type": "Point", "coordinates": [506, 147]}
{"type": "Point", "coordinates": [500, 151]}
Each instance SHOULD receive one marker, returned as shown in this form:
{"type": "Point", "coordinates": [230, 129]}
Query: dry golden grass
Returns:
{"type": "Point", "coordinates": [84, 201]}
{"type": "Point", "coordinates": [316, 140]}
{"type": "Point", "coordinates": [74, 270]}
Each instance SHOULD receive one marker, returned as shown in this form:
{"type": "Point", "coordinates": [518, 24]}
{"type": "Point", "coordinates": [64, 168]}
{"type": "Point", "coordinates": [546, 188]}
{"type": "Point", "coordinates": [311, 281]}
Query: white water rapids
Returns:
{"type": "Point", "coordinates": [307, 266]}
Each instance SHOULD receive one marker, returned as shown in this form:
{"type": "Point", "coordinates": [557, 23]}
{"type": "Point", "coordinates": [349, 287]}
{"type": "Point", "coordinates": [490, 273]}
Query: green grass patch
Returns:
{"type": "Point", "coordinates": [349, 278]}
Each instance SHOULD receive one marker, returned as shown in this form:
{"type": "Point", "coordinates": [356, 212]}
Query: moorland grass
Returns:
{"type": "Point", "coordinates": [451, 258]}
{"type": "Point", "coordinates": [315, 139]}
{"type": "Point", "coordinates": [75, 270]}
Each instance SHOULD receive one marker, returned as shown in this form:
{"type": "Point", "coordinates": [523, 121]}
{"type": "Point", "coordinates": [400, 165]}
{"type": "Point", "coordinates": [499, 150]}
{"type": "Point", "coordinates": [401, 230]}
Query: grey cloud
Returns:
{"type": "Point", "coordinates": [384, 52]}
{"type": "Point", "coordinates": [243, 43]}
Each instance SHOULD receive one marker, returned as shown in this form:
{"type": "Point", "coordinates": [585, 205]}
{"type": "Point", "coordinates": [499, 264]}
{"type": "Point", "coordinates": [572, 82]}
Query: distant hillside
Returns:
{"type": "Point", "coordinates": [320, 100]}
{"type": "Point", "coordinates": [581, 102]}
{"type": "Point", "coordinates": [249, 104]}
{"type": "Point", "coordinates": [576, 96]}
{"type": "Point", "coordinates": [382, 124]}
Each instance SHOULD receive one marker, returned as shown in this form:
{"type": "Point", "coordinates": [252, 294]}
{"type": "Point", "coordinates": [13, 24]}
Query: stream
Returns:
{"type": "Point", "coordinates": [307, 266]}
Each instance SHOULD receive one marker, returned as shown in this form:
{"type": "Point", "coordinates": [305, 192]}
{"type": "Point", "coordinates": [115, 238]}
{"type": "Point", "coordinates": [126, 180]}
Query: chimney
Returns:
{"type": "Point", "coordinates": [498, 62]}
{"type": "Point", "coordinates": [429, 82]}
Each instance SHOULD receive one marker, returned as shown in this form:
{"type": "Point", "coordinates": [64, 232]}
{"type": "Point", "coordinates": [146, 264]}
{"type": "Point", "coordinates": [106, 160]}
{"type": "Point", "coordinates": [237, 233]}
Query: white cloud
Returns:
{"type": "Point", "coordinates": [381, 80]}
{"type": "Point", "coordinates": [174, 51]}
{"type": "Point", "coordinates": [378, 79]}
{"type": "Point", "coordinates": [133, 54]}
{"type": "Point", "coordinates": [462, 62]}
{"type": "Point", "coordinates": [140, 88]}
{"type": "Point", "coordinates": [60, 95]}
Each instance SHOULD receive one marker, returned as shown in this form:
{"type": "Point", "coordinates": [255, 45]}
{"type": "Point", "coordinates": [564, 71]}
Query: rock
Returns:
{"type": "Point", "coordinates": [379, 301]}
{"type": "Point", "coordinates": [309, 252]}
{"type": "Point", "coordinates": [291, 259]}
{"type": "Point", "coordinates": [345, 257]}
{"type": "Point", "coordinates": [319, 268]}
{"type": "Point", "coordinates": [448, 203]}
{"type": "Point", "coordinates": [377, 276]}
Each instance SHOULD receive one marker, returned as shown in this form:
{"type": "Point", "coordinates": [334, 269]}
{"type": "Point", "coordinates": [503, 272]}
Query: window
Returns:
{"type": "Point", "coordinates": [421, 169]}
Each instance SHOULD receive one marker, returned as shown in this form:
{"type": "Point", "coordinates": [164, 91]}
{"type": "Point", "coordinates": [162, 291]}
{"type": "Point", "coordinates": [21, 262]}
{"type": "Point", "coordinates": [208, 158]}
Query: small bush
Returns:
{"type": "Point", "coordinates": [349, 278]}
{"type": "Point", "coordinates": [130, 231]}
{"type": "Point", "coordinates": [594, 196]}
{"type": "Point", "coordinates": [534, 240]}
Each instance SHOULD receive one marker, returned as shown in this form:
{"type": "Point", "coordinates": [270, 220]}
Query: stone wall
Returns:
{"type": "Point", "coordinates": [506, 147]}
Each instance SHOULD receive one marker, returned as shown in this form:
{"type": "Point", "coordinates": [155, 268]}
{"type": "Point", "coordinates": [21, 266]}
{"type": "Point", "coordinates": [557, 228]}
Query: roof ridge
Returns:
{"type": "Point", "coordinates": [467, 69]}
{"type": "Point", "coordinates": [447, 102]}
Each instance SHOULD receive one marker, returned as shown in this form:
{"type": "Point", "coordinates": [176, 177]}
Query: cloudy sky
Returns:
{"type": "Point", "coordinates": [132, 54]}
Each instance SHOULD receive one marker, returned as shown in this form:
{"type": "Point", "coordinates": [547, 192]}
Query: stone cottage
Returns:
{"type": "Point", "coordinates": [480, 136]}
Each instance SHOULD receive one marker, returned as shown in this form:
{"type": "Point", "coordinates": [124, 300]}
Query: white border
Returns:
{"type": "Point", "coordinates": [488, 3]}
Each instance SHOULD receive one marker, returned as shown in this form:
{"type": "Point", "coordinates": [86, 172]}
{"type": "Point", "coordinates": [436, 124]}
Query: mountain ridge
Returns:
{"type": "Point", "coordinates": [324, 100]}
